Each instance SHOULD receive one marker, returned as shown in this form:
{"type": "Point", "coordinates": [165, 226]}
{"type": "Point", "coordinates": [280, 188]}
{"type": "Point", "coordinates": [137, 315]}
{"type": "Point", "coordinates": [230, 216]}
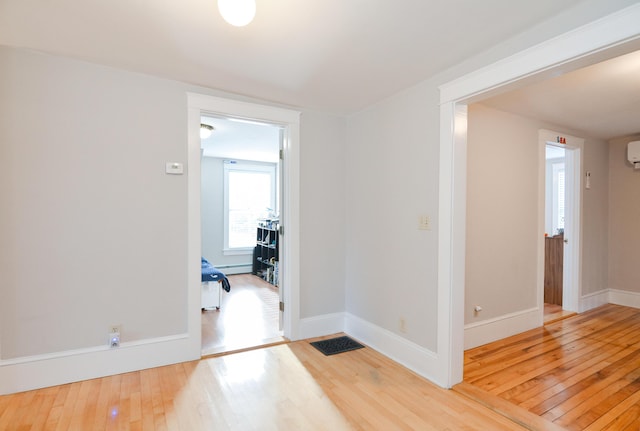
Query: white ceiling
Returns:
{"type": "Point", "coordinates": [330, 55]}
{"type": "Point", "coordinates": [241, 140]}
{"type": "Point", "coordinates": [602, 100]}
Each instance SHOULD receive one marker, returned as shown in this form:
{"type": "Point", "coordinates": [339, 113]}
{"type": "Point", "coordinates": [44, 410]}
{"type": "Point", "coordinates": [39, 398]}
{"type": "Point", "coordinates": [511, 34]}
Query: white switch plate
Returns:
{"type": "Point", "coordinates": [424, 222]}
{"type": "Point", "coordinates": [174, 168]}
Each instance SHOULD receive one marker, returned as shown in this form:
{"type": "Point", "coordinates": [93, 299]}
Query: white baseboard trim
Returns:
{"type": "Point", "coordinates": [479, 333]}
{"type": "Point", "coordinates": [34, 372]}
{"type": "Point", "coordinates": [593, 300]}
{"type": "Point", "coordinates": [624, 297]}
{"type": "Point", "coordinates": [237, 270]}
{"type": "Point", "coordinates": [319, 326]}
{"type": "Point", "coordinates": [416, 358]}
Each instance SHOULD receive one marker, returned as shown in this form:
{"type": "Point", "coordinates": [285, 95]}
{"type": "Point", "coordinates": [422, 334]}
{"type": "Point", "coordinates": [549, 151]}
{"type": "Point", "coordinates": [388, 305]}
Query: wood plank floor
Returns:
{"type": "Point", "coordinates": [553, 313]}
{"type": "Point", "coordinates": [248, 317]}
{"type": "Point", "coordinates": [287, 387]}
{"type": "Point", "coordinates": [581, 373]}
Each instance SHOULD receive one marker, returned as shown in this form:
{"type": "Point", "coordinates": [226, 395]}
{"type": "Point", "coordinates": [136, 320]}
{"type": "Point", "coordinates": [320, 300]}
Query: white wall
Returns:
{"type": "Point", "coordinates": [624, 213]}
{"type": "Point", "coordinates": [322, 214]}
{"type": "Point", "coordinates": [595, 219]}
{"type": "Point", "coordinates": [502, 213]}
{"type": "Point", "coordinates": [392, 177]}
{"type": "Point", "coordinates": [502, 199]}
{"type": "Point", "coordinates": [212, 211]}
{"type": "Point", "coordinates": [93, 230]}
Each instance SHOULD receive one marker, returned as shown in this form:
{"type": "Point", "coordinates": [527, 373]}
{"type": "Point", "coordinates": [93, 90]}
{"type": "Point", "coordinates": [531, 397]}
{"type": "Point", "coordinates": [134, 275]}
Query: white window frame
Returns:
{"type": "Point", "coordinates": [244, 166]}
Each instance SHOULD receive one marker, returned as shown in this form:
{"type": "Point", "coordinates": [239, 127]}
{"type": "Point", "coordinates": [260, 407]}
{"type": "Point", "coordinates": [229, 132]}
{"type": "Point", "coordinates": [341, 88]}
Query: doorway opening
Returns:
{"type": "Point", "coordinates": [596, 41]}
{"type": "Point", "coordinates": [288, 124]}
{"type": "Point", "coordinates": [240, 208]}
{"type": "Point", "coordinates": [559, 203]}
{"type": "Point", "coordinates": [558, 207]}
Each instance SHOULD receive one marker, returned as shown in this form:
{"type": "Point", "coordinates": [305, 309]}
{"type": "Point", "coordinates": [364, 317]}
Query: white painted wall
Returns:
{"type": "Point", "coordinates": [212, 210]}
{"type": "Point", "coordinates": [595, 219]}
{"type": "Point", "coordinates": [502, 181]}
{"type": "Point", "coordinates": [624, 213]}
{"type": "Point", "coordinates": [392, 177]}
{"type": "Point", "coordinates": [93, 230]}
{"type": "Point", "coordinates": [502, 215]}
{"type": "Point", "coordinates": [322, 214]}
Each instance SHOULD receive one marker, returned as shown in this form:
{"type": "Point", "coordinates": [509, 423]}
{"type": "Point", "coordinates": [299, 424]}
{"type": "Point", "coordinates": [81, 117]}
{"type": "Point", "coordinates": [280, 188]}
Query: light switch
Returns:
{"type": "Point", "coordinates": [174, 168]}
{"type": "Point", "coordinates": [424, 222]}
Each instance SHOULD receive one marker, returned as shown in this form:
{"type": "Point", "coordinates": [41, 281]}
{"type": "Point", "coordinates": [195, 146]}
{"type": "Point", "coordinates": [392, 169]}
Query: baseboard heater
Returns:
{"type": "Point", "coordinates": [233, 265]}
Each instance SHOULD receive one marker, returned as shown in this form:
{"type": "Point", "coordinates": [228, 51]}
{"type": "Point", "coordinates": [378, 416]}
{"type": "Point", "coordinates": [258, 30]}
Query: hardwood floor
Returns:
{"type": "Point", "coordinates": [248, 317]}
{"type": "Point", "coordinates": [553, 313]}
{"type": "Point", "coordinates": [287, 387]}
{"type": "Point", "coordinates": [580, 373]}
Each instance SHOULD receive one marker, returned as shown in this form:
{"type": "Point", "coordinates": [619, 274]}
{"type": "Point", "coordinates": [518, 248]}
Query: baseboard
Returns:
{"type": "Point", "coordinates": [624, 297]}
{"type": "Point", "coordinates": [319, 326]}
{"type": "Point", "coordinates": [34, 372]}
{"type": "Point", "coordinates": [234, 270]}
{"type": "Point", "coordinates": [487, 331]}
{"type": "Point", "coordinates": [593, 300]}
{"type": "Point", "coordinates": [418, 359]}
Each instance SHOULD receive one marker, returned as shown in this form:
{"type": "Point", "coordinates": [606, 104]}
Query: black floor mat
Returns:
{"type": "Point", "coordinates": [333, 346]}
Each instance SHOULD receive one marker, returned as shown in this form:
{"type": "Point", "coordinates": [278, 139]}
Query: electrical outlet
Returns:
{"type": "Point", "coordinates": [403, 325]}
{"type": "Point", "coordinates": [114, 340]}
{"type": "Point", "coordinates": [114, 336]}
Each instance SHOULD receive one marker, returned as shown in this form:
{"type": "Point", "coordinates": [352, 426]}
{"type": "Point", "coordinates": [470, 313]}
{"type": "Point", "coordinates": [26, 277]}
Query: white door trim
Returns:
{"type": "Point", "coordinates": [573, 187]}
{"type": "Point", "coordinates": [577, 48]}
{"type": "Point", "coordinates": [199, 104]}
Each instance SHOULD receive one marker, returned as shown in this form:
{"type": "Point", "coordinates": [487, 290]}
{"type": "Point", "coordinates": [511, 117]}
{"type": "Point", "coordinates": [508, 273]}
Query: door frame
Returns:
{"type": "Point", "coordinates": [604, 38]}
{"type": "Point", "coordinates": [198, 105]}
{"type": "Point", "coordinates": [572, 254]}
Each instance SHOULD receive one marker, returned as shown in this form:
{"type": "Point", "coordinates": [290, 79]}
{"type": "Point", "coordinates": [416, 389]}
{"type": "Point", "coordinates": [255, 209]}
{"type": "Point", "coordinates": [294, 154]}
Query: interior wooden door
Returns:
{"type": "Point", "coordinates": [553, 263]}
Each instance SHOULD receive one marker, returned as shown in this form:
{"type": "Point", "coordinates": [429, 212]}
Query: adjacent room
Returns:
{"type": "Point", "coordinates": [240, 208]}
{"type": "Point", "coordinates": [566, 189]}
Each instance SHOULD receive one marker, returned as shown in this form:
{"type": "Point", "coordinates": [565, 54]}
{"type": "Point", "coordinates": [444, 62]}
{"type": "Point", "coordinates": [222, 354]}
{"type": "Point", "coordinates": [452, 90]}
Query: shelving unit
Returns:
{"type": "Point", "coordinates": [265, 255]}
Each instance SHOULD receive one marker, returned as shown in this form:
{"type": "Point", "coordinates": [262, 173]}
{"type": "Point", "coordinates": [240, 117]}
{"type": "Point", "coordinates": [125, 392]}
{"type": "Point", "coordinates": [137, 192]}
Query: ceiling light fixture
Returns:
{"type": "Point", "coordinates": [205, 130]}
{"type": "Point", "coordinates": [237, 12]}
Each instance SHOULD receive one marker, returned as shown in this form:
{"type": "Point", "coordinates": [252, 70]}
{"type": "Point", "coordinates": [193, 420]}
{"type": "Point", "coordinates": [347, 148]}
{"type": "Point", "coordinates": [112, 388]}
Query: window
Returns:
{"type": "Point", "coordinates": [560, 215]}
{"type": "Point", "coordinates": [555, 189]}
{"type": "Point", "coordinates": [558, 197]}
{"type": "Point", "coordinates": [249, 195]}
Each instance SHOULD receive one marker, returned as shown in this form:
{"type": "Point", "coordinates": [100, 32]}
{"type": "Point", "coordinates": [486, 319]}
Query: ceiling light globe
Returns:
{"type": "Point", "coordinates": [205, 131]}
{"type": "Point", "coordinates": [237, 12]}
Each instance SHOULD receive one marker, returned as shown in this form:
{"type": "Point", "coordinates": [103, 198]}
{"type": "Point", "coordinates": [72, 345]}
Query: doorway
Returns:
{"type": "Point", "coordinates": [289, 122]}
{"type": "Point", "coordinates": [240, 202]}
{"type": "Point", "coordinates": [587, 45]}
{"type": "Point", "coordinates": [559, 203]}
{"type": "Point", "coordinates": [560, 280]}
